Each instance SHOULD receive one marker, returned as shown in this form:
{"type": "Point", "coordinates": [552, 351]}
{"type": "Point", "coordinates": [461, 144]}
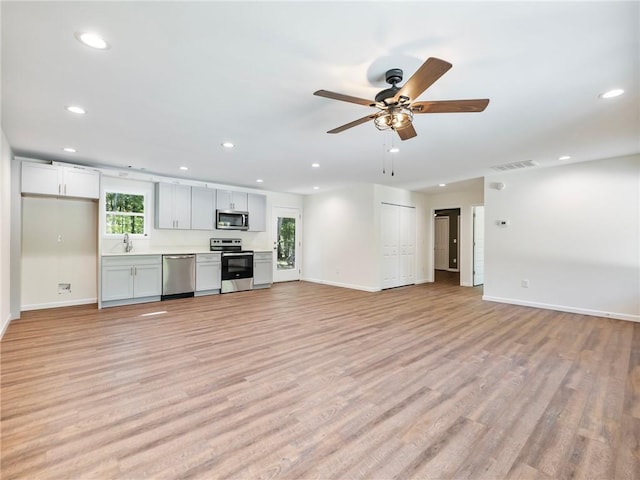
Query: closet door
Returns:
{"type": "Point", "coordinates": [390, 240]}
{"type": "Point", "coordinates": [398, 240]}
{"type": "Point", "coordinates": [407, 228]}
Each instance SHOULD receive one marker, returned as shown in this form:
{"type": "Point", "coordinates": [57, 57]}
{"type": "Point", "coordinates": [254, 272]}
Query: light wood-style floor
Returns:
{"type": "Point", "coordinates": [309, 381]}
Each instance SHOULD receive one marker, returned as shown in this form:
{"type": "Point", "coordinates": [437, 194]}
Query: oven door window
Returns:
{"type": "Point", "coordinates": [234, 267]}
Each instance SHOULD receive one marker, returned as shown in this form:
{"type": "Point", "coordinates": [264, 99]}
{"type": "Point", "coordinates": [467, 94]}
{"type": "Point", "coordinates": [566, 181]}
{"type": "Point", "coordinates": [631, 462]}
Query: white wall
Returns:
{"type": "Point", "coordinates": [340, 238]}
{"type": "Point", "coordinates": [573, 233]}
{"type": "Point", "coordinates": [59, 245]}
{"type": "Point", "coordinates": [5, 234]}
{"type": "Point", "coordinates": [465, 201]}
{"type": "Point", "coordinates": [342, 235]}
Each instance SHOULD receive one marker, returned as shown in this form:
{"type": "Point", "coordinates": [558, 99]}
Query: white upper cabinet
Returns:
{"type": "Point", "coordinates": [173, 206]}
{"type": "Point", "coordinates": [231, 200]}
{"type": "Point", "coordinates": [203, 208]}
{"type": "Point", "coordinates": [60, 180]}
{"type": "Point", "coordinates": [257, 208]}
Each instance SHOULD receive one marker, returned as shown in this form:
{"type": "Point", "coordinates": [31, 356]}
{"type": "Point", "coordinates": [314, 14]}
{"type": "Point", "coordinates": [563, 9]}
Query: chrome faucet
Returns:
{"type": "Point", "coordinates": [128, 244]}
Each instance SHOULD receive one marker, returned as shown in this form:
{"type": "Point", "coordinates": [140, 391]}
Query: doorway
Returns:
{"type": "Point", "coordinates": [446, 227]}
{"type": "Point", "coordinates": [286, 244]}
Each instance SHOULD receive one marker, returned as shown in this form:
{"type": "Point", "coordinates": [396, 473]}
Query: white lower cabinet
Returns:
{"type": "Point", "coordinates": [208, 274]}
{"type": "Point", "coordinates": [262, 269]}
{"type": "Point", "coordinates": [131, 279]}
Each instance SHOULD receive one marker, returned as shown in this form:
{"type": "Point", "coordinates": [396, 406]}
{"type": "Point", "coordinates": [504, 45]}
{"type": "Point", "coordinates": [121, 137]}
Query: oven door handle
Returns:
{"type": "Point", "coordinates": [238, 254]}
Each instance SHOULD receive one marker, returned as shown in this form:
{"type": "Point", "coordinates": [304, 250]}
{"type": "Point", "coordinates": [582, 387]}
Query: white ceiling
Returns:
{"type": "Point", "coordinates": [180, 78]}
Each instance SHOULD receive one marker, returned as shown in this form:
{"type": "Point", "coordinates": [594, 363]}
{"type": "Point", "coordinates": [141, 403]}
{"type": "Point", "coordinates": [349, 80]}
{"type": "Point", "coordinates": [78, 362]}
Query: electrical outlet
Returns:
{"type": "Point", "coordinates": [64, 288]}
{"type": "Point", "coordinates": [525, 283]}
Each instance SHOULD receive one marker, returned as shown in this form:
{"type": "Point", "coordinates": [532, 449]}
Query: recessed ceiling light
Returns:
{"type": "Point", "coordinates": [394, 150]}
{"type": "Point", "coordinates": [564, 157]}
{"type": "Point", "coordinates": [616, 92]}
{"type": "Point", "coordinates": [315, 165]}
{"type": "Point", "coordinates": [442, 184]}
{"type": "Point", "coordinates": [184, 168]}
{"type": "Point", "coordinates": [228, 145]}
{"type": "Point", "coordinates": [259, 180]}
{"type": "Point", "coordinates": [76, 109]}
{"type": "Point", "coordinates": [92, 40]}
{"type": "Point", "coordinates": [69, 150]}
{"type": "Point", "coordinates": [316, 188]}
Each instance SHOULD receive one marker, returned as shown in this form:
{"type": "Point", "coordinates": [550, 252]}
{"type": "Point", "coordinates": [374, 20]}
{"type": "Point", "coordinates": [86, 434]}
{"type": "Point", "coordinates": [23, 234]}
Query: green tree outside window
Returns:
{"type": "Point", "coordinates": [124, 213]}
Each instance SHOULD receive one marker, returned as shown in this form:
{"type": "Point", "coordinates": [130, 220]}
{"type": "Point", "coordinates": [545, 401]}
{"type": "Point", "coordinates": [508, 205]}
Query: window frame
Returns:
{"type": "Point", "coordinates": [144, 214]}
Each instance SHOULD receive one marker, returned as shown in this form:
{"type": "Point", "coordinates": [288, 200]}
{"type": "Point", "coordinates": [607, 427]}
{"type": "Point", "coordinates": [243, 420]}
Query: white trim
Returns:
{"type": "Point", "coordinates": [68, 303]}
{"type": "Point", "coordinates": [341, 285]}
{"type": "Point", "coordinates": [5, 326]}
{"type": "Point", "coordinates": [564, 308]}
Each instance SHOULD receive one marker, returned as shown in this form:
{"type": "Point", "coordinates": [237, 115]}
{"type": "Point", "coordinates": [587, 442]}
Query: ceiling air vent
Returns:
{"type": "Point", "coordinates": [507, 167]}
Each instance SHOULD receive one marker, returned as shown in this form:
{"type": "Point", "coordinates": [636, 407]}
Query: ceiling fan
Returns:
{"type": "Point", "coordinates": [397, 105]}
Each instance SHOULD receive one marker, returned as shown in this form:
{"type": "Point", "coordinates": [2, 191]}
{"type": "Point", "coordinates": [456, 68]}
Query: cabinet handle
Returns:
{"type": "Point", "coordinates": [131, 271]}
{"type": "Point", "coordinates": [65, 188]}
{"type": "Point", "coordinates": [135, 270]}
{"type": "Point", "coordinates": [59, 189]}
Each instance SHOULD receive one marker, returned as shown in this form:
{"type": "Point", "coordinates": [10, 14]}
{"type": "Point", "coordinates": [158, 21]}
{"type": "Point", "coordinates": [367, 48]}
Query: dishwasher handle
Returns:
{"type": "Point", "coordinates": [178, 257]}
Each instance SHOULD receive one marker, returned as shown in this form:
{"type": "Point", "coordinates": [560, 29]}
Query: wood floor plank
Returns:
{"type": "Point", "coordinates": [312, 381]}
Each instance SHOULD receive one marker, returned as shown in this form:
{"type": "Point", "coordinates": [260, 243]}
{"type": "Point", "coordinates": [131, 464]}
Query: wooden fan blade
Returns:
{"type": "Point", "coordinates": [407, 132]}
{"type": "Point", "coordinates": [353, 124]}
{"type": "Point", "coordinates": [427, 74]}
{"type": "Point", "coordinates": [450, 106]}
{"type": "Point", "coordinates": [345, 98]}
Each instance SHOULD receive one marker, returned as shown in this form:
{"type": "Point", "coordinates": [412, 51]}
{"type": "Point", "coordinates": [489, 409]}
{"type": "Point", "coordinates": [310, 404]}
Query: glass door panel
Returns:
{"type": "Point", "coordinates": [286, 244]}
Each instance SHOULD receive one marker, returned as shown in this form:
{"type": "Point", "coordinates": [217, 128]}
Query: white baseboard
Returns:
{"type": "Point", "coordinates": [68, 303]}
{"type": "Point", "coordinates": [5, 325]}
{"type": "Point", "coordinates": [341, 285]}
{"type": "Point", "coordinates": [564, 308]}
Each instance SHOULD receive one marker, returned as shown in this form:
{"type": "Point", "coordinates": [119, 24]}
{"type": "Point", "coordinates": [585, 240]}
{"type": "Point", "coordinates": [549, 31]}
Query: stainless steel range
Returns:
{"type": "Point", "coordinates": [237, 264]}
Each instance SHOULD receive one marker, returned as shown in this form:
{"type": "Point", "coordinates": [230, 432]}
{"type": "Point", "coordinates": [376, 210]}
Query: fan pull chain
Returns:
{"type": "Point", "coordinates": [384, 151]}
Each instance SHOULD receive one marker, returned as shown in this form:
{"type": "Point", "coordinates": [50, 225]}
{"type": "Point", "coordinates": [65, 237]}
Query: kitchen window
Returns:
{"type": "Point", "coordinates": [124, 213]}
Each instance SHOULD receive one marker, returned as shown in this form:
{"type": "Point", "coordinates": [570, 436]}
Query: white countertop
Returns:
{"type": "Point", "coordinates": [167, 251]}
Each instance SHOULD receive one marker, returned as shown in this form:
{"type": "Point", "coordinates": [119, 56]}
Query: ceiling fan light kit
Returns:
{"type": "Point", "coordinates": [397, 104]}
{"type": "Point", "coordinates": [394, 118]}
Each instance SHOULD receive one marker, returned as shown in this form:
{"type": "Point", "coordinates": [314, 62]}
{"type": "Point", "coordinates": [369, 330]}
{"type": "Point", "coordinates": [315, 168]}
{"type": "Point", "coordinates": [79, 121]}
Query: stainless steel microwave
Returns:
{"type": "Point", "coordinates": [232, 220]}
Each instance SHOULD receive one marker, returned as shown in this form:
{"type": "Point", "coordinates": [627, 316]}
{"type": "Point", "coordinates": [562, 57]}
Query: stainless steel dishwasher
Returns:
{"type": "Point", "coordinates": [178, 276]}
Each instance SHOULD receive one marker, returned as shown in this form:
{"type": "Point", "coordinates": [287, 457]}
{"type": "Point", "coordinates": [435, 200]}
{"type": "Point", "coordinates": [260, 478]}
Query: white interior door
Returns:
{"type": "Point", "coordinates": [390, 238]}
{"type": "Point", "coordinates": [441, 246]}
{"type": "Point", "coordinates": [407, 268]}
{"type": "Point", "coordinates": [398, 239]}
{"type": "Point", "coordinates": [478, 246]}
{"type": "Point", "coordinates": [286, 244]}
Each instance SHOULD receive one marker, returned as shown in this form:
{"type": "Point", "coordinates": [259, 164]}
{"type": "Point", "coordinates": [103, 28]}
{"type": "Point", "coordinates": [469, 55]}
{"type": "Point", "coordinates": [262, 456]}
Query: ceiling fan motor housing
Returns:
{"type": "Point", "coordinates": [392, 77]}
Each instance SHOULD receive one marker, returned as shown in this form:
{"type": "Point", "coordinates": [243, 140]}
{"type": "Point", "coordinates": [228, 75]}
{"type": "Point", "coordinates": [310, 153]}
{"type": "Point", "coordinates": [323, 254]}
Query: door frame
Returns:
{"type": "Point", "coordinates": [461, 218]}
{"type": "Point", "coordinates": [473, 246]}
{"type": "Point", "coordinates": [295, 273]}
{"type": "Point", "coordinates": [441, 220]}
